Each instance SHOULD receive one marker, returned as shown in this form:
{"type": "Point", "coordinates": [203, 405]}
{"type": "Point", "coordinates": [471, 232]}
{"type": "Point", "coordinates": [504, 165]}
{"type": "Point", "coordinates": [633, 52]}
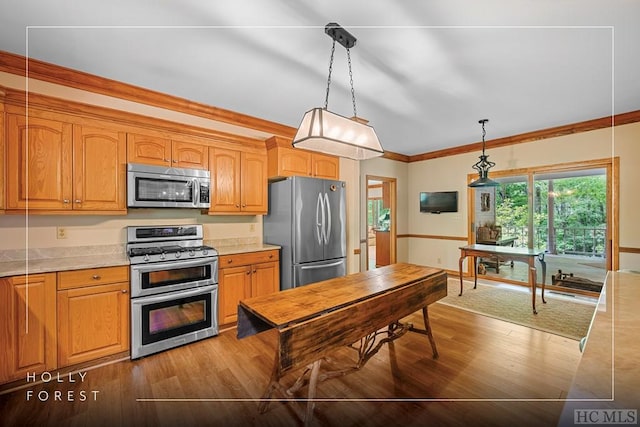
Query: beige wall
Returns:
{"type": "Point", "coordinates": [450, 173]}
{"type": "Point", "coordinates": [388, 169]}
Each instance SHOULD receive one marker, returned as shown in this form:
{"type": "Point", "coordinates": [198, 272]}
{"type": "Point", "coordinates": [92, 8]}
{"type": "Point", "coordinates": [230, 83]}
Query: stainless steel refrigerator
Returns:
{"type": "Point", "coordinates": [307, 218]}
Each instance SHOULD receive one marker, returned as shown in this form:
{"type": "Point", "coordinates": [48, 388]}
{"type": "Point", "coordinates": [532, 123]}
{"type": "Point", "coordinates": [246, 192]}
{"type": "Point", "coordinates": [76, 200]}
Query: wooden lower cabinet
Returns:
{"type": "Point", "coordinates": [93, 314]}
{"type": "Point", "coordinates": [27, 325]}
{"type": "Point", "coordinates": [234, 284]}
{"type": "Point", "coordinates": [244, 276]}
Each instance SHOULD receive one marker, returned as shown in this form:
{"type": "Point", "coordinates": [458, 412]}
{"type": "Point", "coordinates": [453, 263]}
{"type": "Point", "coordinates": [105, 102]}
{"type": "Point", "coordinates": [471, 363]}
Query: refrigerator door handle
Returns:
{"type": "Point", "coordinates": [320, 219]}
{"type": "Point", "coordinates": [314, 267]}
{"type": "Point", "coordinates": [327, 232]}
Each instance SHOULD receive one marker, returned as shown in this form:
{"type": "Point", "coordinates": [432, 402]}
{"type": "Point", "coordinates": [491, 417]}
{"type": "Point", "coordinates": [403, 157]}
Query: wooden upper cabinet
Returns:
{"type": "Point", "coordinates": [284, 161]}
{"type": "Point", "coordinates": [238, 182]}
{"type": "Point", "coordinates": [289, 162]}
{"type": "Point", "coordinates": [28, 318]}
{"type": "Point", "coordinates": [56, 166]}
{"type": "Point", "coordinates": [253, 183]}
{"type": "Point", "coordinates": [324, 166]}
{"type": "Point", "coordinates": [152, 150]}
{"type": "Point", "coordinates": [39, 169]}
{"type": "Point", "coordinates": [3, 179]}
{"type": "Point", "coordinates": [148, 150]}
{"type": "Point", "coordinates": [225, 180]}
{"type": "Point", "coordinates": [189, 155]}
{"type": "Point", "coordinates": [99, 170]}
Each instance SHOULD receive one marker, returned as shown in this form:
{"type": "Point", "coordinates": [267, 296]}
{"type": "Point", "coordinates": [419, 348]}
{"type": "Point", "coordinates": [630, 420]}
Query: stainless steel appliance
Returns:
{"type": "Point", "coordinates": [307, 218]}
{"type": "Point", "coordinates": [174, 287]}
{"type": "Point", "coordinates": [161, 187]}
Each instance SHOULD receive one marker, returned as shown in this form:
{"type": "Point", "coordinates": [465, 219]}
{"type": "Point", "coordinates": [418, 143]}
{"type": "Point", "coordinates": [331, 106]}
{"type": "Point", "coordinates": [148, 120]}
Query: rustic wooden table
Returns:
{"type": "Point", "coordinates": [315, 319]}
{"type": "Point", "coordinates": [525, 255]}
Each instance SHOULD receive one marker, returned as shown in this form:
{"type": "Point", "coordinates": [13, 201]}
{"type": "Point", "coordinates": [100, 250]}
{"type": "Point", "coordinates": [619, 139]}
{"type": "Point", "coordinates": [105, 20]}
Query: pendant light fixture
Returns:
{"type": "Point", "coordinates": [330, 133]}
{"type": "Point", "coordinates": [483, 165]}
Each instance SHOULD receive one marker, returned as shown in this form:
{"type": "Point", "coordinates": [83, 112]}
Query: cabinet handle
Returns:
{"type": "Point", "coordinates": [78, 201]}
{"type": "Point", "coordinates": [175, 161]}
{"type": "Point", "coordinates": [255, 271]}
{"type": "Point", "coordinates": [167, 160]}
{"type": "Point", "coordinates": [248, 272]}
{"type": "Point", "coordinates": [244, 206]}
{"type": "Point", "coordinates": [229, 261]}
{"type": "Point", "coordinates": [270, 256]}
{"type": "Point", "coordinates": [65, 201]}
{"type": "Point", "coordinates": [124, 291]}
{"type": "Point", "coordinates": [237, 205]}
{"type": "Point", "coordinates": [96, 277]}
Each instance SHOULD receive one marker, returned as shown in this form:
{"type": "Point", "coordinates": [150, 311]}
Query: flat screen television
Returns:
{"type": "Point", "coordinates": [439, 201]}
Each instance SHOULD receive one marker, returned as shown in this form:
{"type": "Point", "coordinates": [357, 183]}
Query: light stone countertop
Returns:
{"type": "Point", "coordinates": [607, 380]}
{"type": "Point", "coordinates": [239, 249]}
{"type": "Point", "coordinates": [48, 265]}
{"type": "Point", "coordinates": [34, 261]}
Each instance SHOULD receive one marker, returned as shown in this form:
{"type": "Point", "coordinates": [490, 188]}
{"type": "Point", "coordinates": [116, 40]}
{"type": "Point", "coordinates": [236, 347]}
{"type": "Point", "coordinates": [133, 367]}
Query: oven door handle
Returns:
{"type": "Point", "coordinates": [153, 299]}
{"type": "Point", "coordinates": [170, 265]}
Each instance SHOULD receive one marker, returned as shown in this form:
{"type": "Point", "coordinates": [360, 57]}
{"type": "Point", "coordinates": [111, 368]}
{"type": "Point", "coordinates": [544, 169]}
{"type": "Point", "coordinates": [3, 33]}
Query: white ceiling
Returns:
{"type": "Point", "coordinates": [424, 72]}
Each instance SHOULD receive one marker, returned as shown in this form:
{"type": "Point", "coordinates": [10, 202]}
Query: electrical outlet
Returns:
{"type": "Point", "coordinates": [252, 228]}
{"type": "Point", "coordinates": [439, 261]}
{"type": "Point", "coordinates": [61, 233]}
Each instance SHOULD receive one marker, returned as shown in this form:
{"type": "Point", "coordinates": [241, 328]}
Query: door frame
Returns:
{"type": "Point", "coordinates": [610, 164]}
{"type": "Point", "coordinates": [393, 206]}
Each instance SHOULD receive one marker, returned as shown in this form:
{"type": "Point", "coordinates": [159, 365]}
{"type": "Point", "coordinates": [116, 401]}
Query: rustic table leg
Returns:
{"type": "Point", "coordinates": [313, 383]}
{"type": "Point", "coordinates": [532, 282]}
{"type": "Point", "coordinates": [475, 271]}
{"type": "Point", "coordinates": [544, 274]}
{"type": "Point", "coordinates": [427, 327]}
{"type": "Point", "coordinates": [462, 257]}
{"type": "Point", "coordinates": [273, 384]}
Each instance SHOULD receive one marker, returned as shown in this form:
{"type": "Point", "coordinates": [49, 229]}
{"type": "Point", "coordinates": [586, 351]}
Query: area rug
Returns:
{"type": "Point", "coordinates": [559, 316]}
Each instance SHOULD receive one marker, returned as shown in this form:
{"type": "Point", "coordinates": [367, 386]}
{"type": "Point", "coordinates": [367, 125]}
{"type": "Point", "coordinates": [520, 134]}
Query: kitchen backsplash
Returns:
{"type": "Point", "coordinates": [81, 233]}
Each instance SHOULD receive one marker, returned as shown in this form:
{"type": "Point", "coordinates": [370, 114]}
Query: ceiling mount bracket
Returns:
{"type": "Point", "coordinates": [339, 34]}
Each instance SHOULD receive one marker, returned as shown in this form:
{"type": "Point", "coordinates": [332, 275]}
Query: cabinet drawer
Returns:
{"type": "Point", "coordinates": [248, 258]}
{"type": "Point", "coordinates": [92, 277]}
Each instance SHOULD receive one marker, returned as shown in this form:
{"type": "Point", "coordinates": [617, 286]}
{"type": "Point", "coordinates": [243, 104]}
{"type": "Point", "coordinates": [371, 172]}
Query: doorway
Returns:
{"type": "Point", "coordinates": [381, 221]}
{"type": "Point", "coordinates": [565, 210]}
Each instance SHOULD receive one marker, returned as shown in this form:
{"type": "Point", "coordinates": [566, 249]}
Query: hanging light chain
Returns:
{"type": "Point", "coordinates": [326, 99]}
{"type": "Point", "coordinates": [483, 165]}
{"type": "Point", "coordinates": [353, 93]}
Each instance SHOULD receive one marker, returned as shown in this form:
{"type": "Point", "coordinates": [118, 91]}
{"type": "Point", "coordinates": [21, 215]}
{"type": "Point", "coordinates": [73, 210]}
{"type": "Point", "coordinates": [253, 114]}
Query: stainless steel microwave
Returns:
{"type": "Point", "coordinates": [161, 187]}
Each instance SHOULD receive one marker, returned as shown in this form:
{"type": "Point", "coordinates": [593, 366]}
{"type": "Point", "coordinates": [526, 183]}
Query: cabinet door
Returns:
{"type": "Point", "coordinates": [28, 319]}
{"type": "Point", "coordinates": [225, 180]}
{"type": "Point", "coordinates": [92, 322]}
{"type": "Point", "coordinates": [254, 183]}
{"type": "Point", "coordinates": [148, 150]}
{"type": "Point", "coordinates": [3, 180]}
{"type": "Point", "coordinates": [265, 278]}
{"type": "Point", "coordinates": [293, 162]}
{"type": "Point", "coordinates": [234, 285]}
{"type": "Point", "coordinates": [323, 166]}
{"type": "Point", "coordinates": [99, 169]}
{"type": "Point", "coordinates": [38, 163]}
{"type": "Point", "coordinates": [189, 155]}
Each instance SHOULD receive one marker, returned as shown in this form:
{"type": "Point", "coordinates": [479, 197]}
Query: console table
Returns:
{"type": "Point", "coordinates": [525, 255]}
{"type": "Point", "coordinates": [507, 241]}
{"type": "Point", "coordinates": [313, 320]}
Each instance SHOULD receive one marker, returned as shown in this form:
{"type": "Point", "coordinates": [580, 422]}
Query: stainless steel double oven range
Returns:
{"type": "Point", "coordinates": [174, 287]}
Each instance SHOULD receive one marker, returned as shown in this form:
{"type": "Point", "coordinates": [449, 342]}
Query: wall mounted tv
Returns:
{"type": "Point", "coordinates": [439, 201]}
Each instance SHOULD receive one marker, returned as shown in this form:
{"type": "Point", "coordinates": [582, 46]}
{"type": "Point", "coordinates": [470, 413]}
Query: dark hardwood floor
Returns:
{"type": "Point", "coordinates": [490, 373]}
